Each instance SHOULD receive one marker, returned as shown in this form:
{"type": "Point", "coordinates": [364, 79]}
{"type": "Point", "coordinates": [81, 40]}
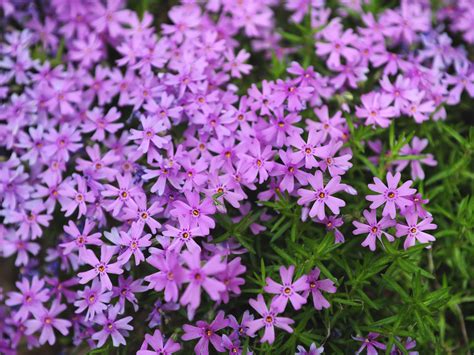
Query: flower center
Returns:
{"type": "Point", "coordinates": [196, 213]}
{"type": "Point", "coordinates": [308, 150]}
{"type": "Point", "coordinates": [240, 117]}
{"type": "Point", "coordinates": [312, 284]}
{"type": "Point", "coordinates": [144, 215]}
{"type": "Point", "coordinates": [101, 268]}
{"type": "Point", "coordinates": [91, 298]}
{"type": "Point", "coordinates": [124, 194]}
{"type": "Point", "coordinates": [79, 197]}
{"type": "Point", "coordinates": [185, 235]}
{"type": "Point", "coordinates": [259, 163]}
{"type": "Point", "coordinates": [269, 319]}
{"type": "Point", "coordinates": [412, 230]}
{"type": "Point", "coordinates": [48, 320]}
{"type": "Point", "coordinates": [391, 194]}
{"type": "Point", "coordinates": [374, 229]}
{"type": "Point", "coordinates": [287, 290]}
{"type": "Point", "coordinates": [170, 276]}
{"type": "Point", "coordinates": [220, 190]}
{"type": "Point", "coordinates": [321, 195]}
{"type": "Point", "coordinates": [281, 124]}
{"type": "Point", "coordinates": [208, 332]}
{"type": "Point", "coordinates": [227, 154]}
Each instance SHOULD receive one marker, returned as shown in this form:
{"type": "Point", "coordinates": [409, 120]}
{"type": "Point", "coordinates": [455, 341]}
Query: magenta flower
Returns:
{"type": "Point", "coordinates": [170, 275]}
{"type": "Point", "coordinates": [158, 344]}
{"type": "Point", "coordinates": [370, 344]}
{"type": "Point", "coordinates": [149, 135]}
{"type": "Point", "coordinates": [95, 299]}
{"type": "Point", "coordinates": [322, 195]}
{"type": "Point", "coordinates": [30, 298]}
{"type": "Point", "coordinates": [269, 321]}
{"type": "Point", "coordinates": [45, 320]}
{"type": "Point", "coordinates": [200, 277]}
{"type": "Point", "coordinates": [374, 229]}
{"type": "Point", "coordinates": [315, 286]}
{"type": "Point", "coordinates": [289, 90]}
{"type": "Point", "coordinates": [195, 211]}
{"type": "Point", "coordinates": [390, 195]}
{"type": "Point", "coordinates": [101, 268]}
{"type": "Point", "coordinates": [259, 162]}
{"type": "Point", "coordinates": [414, 230]}
{"type": "Point", "coordinates": [287, 290]}
{"type": "Point", "coordinates": [206, 333]}
{"type": "Point", "coordinates": [111, 327]}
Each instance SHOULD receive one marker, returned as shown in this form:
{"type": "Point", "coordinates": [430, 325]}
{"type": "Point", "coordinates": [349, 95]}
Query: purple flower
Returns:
{"type": "Point", "coordinates": [414, 230]}
{"type": "Point", "coordinates": [288, 290]}
{"type": "Point", "coordinates": [306, 150]}
{"type": "Point", "coordinates": [235, 64]}
{"type": "Point", "coordinates": [126, 289]}
{"type": "Point", "coordinates": [75, 198]}
{"type": "Point", "coordinates": [111, 327]}
{"type": "Point", "coordinates": [416, 148]}
{"type": "Point", "coordinates": [374, 229]}
{"type": "Point", "coordinates": [290, 169]}
{"type": "Point", "coordinates": [370, 344]}
{"type": "Point", "coordinates": [322, 195]}
{"type": "Point", "coordinates": [229, 277]}
{"type": "Point", "coordinates": [339, 45]}
{"type": "Point", "coordinates": [390, 195]}
{"type": "Point", "coordinates": [81, 239]}
{"type": "Point", "coordinates": [30, 298]}
{"type": "Point", "coordinates": [46, 321]}
{"type": "Point", "coordinates": [315, 286]}
{"type": "Point", "coordinates": [101, 268]}
{"type": "Point", "coordinates": [206, 333]}
{"type": "Point", "coordinates": [269, 321]}
{"type": "Point", "coordinates": [183, 235]}
{"type": "Point", "coordinates": [376, 110]}
{"type": "Point", "coordinates": [289, 90]}
{"type": "Point", "coordinates": [170, 275]}
{"type": "Point", "coordinates": [158, 344]}
{"type": "Point", "coordinates": [313, 350]}
{"type": "Point", "coordinates": [196, 211]}
{"type": "Point", "coordinates": [199, 276]}
{"type": "Point", "coordinates": [94, 299]}
{"type": "Point", "coordinates": [133, 241]}
{"type": "Point", "coordinates": [138, 212]}
{"type": "Point", "coordinates": [408, 345]}
{"type": "Point", "coordinates": [100, 123]}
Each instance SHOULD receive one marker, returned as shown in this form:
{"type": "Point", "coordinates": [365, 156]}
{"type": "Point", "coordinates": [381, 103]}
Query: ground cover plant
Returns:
{"type": "Point", "coordinates": [236, 176]}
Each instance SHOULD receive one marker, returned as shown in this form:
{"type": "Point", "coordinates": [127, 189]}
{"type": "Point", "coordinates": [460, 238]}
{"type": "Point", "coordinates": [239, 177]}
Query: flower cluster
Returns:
{"type": "Point", "coordinates": [125, 150]}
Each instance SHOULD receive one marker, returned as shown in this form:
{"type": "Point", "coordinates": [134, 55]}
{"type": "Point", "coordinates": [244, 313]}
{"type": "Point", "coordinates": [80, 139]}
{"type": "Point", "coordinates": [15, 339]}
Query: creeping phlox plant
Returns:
{"type": "Point", "coordinates": [235, 176]}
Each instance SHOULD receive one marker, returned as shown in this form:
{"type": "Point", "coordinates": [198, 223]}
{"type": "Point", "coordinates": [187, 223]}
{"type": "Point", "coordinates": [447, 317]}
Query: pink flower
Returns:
{"type": "Point", "coordinates": [322, 195]}
{"type": "Point", "coordinates": [101, 268]}
{"type": "Point", "coordinates": [288, 290]}
{"type": "Point", "coordinates": [46, 321]}
{"type": "Point", "coordinates": [374, 229]}
{"type": "Point", "coordinates": [376, 109]}
{"type": "Point", "coordinates": [269, 321]}
{"type": "Point", "coordinates": [201, 277]}
{"type": "Point", "coordinates": [414, 230]}
{"type": "Point", "coordinates": [391, 195]}
{"type": "Point", "coordinates": [315, 286]}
